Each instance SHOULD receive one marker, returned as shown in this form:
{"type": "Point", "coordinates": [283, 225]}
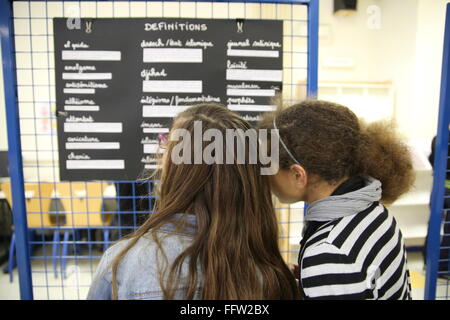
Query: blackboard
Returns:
{"type": "Point", "coordinates": [120, 81]}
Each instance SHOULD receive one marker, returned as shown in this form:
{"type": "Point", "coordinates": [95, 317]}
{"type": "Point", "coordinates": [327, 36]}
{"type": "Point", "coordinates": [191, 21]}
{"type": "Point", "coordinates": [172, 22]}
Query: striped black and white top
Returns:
{"type": "Point", "coordinates": [361, 256]}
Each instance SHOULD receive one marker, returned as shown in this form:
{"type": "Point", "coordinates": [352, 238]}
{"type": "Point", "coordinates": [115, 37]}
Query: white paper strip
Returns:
{"type": "Point", "coordinates": [155, 130]}
{"type": "Point", "coordinates": [187, 86]}
{"type": "Point", "coordinates": [251, 92]}
{"type": "Point", "coordinates": [93, 127]}
{"type": "Point", "coordinates": [162, 111]}
{"type": "Point", "coordinates": [92, 145]}
{"type": "Point", "coordinates": [91, 55]}
{"type": "Point", "coordinates": [95, 164]}
{"type": "Point", "coordinates": [79, 91]}
{"type": "Point", "coordinates": [250, 107]}
{"type": "Point", "coordinates": [254, 75]}
{"type": "Point", "coordinates": [151, 166]}
{"type": "Point", "coordinates": [181, 55]}
{"type": "Point", "coordinates": [152, 148]}
{"type": "Point", "coordinates": [81, 108]}
{"type": "Point", "coordinates": [86, 76]}
{"type": "Point", "coordinates": [253, 53]}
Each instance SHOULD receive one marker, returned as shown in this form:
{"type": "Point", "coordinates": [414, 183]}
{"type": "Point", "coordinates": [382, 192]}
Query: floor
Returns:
{"type": "Point", "coordinates": [50, 286]}
{"type": "Point", "coordinates": [76, 284]}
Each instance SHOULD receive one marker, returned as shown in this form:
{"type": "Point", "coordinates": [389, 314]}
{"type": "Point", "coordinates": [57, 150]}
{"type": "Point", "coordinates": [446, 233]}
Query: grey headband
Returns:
{"type": "Point", "coordinates": [284, 146]}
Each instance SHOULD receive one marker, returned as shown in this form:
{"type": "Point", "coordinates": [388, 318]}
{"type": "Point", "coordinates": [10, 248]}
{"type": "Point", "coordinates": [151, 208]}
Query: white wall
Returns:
{"type": "Point", "coordinates": [346, 38]}
{"type": "Point", "coordinates": [396, 49]}
{"type": "Point", "coordinates": [427, 68]}
{"type": "Point", "coordinates": [406, 50]}
{"type": "Point", "coordinates": [414, 32]}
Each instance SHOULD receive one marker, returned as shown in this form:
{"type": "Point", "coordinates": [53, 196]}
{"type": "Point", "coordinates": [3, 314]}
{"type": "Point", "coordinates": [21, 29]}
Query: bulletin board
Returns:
{"type": "Point", "coordinates": [120, 83]}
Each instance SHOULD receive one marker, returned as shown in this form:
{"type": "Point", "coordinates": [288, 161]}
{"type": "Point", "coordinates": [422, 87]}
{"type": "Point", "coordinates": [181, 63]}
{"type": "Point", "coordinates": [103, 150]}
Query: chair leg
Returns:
{"type": "Point", "coordinates": [105, 239]}
{"type": "Point", "coordinates": [65, 250]}
{"type": "Point", "coordinates": [55, 252]}
{"type": "Point", "coordinates": [30, 241]}
{"type": "Point", "coordinates": [77, 237]}
{"type": "Point", "coordinates": [90, 238]}
{"type": "Point", "coordinates": [11, 258]}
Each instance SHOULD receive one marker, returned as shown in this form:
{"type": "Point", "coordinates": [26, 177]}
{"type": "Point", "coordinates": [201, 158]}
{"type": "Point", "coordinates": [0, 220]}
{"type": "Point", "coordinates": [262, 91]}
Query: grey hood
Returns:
{"type": "Point", "coordinates": [335, 207]}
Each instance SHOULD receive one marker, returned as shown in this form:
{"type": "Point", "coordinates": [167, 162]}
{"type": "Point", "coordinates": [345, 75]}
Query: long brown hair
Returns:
{"type": "Point", "coordinates": [331, 143]}
{"type": "Point", "coordinates": [236, 242]}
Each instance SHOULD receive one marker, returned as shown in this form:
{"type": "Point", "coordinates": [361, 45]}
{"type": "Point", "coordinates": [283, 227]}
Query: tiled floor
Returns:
{"type": "Point", "coordinates": [76, 285]}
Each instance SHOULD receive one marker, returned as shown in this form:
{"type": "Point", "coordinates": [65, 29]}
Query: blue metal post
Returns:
{"type": "Point", "coordinates": [313, 47]}
{"type": "Point", "coordinates": [313, 55]}
{"type": "Point", "coordinates": [15, 150]}
{"type": "Point", "coordinates": [440, 167]}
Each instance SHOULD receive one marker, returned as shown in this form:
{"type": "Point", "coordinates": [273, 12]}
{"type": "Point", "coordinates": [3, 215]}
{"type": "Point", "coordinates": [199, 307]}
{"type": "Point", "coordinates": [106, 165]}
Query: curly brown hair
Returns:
{"type": "Point", "coordinates": [331, 143]}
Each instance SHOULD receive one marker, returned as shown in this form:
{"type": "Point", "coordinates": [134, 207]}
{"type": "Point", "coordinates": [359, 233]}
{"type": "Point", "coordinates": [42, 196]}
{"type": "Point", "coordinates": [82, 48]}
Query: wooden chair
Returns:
{"type": "Point", "coordinates": [37, 199]}
{"type": "Point", "coordinates": [83, 209]}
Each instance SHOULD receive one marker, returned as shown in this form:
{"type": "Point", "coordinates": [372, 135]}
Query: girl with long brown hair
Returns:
{"type": "Point", "coordinates": [213, 233]}
{"type": "Point", "coordinates": [346, 171]}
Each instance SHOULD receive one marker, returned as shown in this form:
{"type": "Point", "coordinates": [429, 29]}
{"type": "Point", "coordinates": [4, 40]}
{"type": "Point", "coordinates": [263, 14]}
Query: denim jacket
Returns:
{"type": "Point", "coordinates": [138, 272]}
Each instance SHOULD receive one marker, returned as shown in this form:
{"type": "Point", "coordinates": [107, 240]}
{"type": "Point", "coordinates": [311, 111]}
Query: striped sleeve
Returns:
{"type": "Point", "coordinates": [346, 281]}
{"type": "Point", "coordinates": [362, 257]}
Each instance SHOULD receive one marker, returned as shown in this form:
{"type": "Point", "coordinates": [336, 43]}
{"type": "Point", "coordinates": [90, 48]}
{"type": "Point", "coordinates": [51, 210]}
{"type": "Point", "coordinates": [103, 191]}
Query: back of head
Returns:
{"type": "Point", "coordinates": [236, 243]}
{"type": "Point", "coordinates": [331, 143]}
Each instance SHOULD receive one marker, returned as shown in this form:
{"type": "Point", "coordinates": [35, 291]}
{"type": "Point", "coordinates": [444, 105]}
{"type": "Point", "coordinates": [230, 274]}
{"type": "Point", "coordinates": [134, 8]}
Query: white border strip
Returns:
{"type": "Point", "coordinates": [108, 127]}
{"type": "Point", "coordinates": [251, 107]}
{"type": "Point", "coordinates": [169, 55]}
{"type": "Point", "coordinates": [86, 76]}
{"type": "Point", "coordinates": [255, 75]}
{"type": "Point", "coordinates": [79, 91]}
{"type": "Point", "coordinates": [92, 145]}
{"type": "Point", "coordinates": [95, 164]}
{"type": "Point", "coordinates": [91, 55]}
{"type": "Point", "coordinates": [155, 130]}
{"type": "Point", "coordinates": [151, 166]}
{"type": "Point", "coordinates": [152, 148]}
{"type": "Point", "coordinates": [162, 111]}
{"type": "Point", "coordinates": [172, 86]}
{"type": "Point", "coordinates": [253, 53]}
{"type": "Point", "coordinates": [251, 92]}
{"type": "Point", "coordinates": [81, 108]}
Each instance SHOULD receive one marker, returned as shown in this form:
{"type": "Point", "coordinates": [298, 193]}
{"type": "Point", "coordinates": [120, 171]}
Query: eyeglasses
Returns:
{"type": "Point", "coordinates": [163, 139]}
{"type": "Point", "coordinates": [283, 144]}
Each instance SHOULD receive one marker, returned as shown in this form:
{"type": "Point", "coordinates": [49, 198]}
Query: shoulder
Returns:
{"type": "Point", "coordinates": [344, 238]}
{"type": "Point", "coordinates": [321, 257]}
{"type": "Point", "coordinates": [357, 228]}
{"type": "Point", "coordinates": [340, 257]}
{"type": "Point", "coordinates": [168, 239]}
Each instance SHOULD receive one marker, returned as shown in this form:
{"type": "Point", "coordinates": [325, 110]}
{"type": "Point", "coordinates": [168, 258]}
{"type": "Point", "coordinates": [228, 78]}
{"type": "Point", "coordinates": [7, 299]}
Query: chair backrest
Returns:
{"type": "Point", "coordinates": [82, 202]}
{"type": "Point", "coordinates": [38, 199]}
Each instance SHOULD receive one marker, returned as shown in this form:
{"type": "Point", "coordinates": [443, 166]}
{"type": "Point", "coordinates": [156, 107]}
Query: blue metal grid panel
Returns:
{"type": "Point", "coordinates": [437, 282]}
{"type": "Point", "coordinates": [62, 229]}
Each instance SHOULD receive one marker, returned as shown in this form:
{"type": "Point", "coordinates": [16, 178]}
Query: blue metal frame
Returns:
{"type": "Point", "coordinates": [15, 150]}
{"type": "Point", "coordinates": [313, 47]}
{"type": "Point", "coordinates": [13, 123]}
{"type": "Point", "coordinates": [440, 167]}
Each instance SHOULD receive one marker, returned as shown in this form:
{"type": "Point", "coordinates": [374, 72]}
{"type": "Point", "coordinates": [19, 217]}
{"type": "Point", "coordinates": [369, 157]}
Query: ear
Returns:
{"type": "Point", "coordinates": [299, 174]}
